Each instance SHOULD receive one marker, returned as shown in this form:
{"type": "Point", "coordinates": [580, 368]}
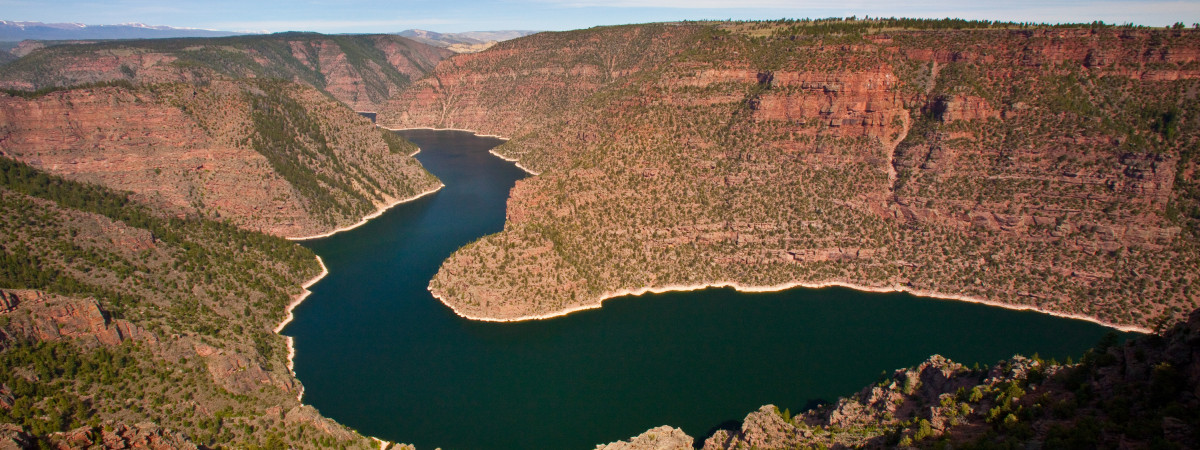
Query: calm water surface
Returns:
{"type": "Point", "coordinates": [376, 352]}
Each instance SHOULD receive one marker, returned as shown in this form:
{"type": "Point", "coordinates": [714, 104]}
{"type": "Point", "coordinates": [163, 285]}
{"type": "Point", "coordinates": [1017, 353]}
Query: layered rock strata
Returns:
{"type": "Point", "coordinates": [1044, 168]}
{"type": "Point", "coordinates": [266, 156]}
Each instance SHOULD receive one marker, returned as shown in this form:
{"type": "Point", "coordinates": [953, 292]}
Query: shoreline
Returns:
{"type": "Point", "coordinates": [514, 161]}
{"type": "Point", "coordinates": [475, 132]}
{"type": "Point", "coordinates": [378, 212]}
{"type": "Point", "coordinates": [790, 285]}
{"type": "Point", "coordinates": [291, 343]}
{"type": "Point", "coordinates": [492, 150]}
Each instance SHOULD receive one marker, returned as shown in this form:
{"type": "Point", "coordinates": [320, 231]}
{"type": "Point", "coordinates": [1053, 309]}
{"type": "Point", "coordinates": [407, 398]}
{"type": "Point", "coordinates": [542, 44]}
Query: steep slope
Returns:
{"type": "Point", "coordinates": [361, 71]}
{"type": "Point", "coordinates": [112, 314]}
{"type": "Point", "coordinates": [1048, 168]}
{"type": "Point", "coordinates": [265, 155]}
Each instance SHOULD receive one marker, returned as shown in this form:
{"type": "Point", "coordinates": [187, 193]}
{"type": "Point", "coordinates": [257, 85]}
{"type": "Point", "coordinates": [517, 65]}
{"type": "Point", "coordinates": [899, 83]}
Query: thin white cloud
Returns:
{"type": "Point", "coordinates": [326, 25]}
{"type": "Point", "coordinates": [733, 4]}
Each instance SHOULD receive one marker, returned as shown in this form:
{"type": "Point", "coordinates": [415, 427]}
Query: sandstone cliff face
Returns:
{"type": "Point", "coordinates": [192, 150]}
{"type": "Point", "coordinates": [1003, 165]}
{"type": "Point", "coordinates": [518, 86]}
{"type": "Point", "coordinates": [360, 71]}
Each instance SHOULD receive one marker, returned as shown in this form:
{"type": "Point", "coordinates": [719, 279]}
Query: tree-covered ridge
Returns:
{"type": "Point", "coordinates": [1043, 167]}
{"type": "Point", "coordinates": [61, 230]}
{"type": "Point", "coordinates": [263, 154]}
{"type": "Point", "coordinates": [349, 178]}
{"type": "Point", "coordinates": [359, 70]}
{"type": "Point", "coordinates": [192, 303]}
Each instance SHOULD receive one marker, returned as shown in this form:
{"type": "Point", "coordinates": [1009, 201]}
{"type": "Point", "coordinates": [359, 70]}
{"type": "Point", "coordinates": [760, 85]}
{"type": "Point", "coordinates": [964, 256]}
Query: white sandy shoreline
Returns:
{"type": "Point", "coordinates": [367, 218]}
{"type": "Point", "coordinates": [780, 287]}
{"type": "Point", "coordinates": [514, 161]}
{"type": "Point", "coordinates": [492, 151]}
{"type": "Point", "coordinates": [447, 129]}
{"type": "Point", "coordinates": [291, 357]}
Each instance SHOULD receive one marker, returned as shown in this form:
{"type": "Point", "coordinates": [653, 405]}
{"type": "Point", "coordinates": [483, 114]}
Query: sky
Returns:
{"type": "Point", "coordinates": [385, 16]}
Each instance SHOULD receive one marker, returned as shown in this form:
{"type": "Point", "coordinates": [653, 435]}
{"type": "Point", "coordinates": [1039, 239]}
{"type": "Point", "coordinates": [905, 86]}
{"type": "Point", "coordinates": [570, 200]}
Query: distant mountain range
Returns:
{"type": "Point", "coordinates": [465, 42]}
{"type": "Point", "coordinates": [18, 31]}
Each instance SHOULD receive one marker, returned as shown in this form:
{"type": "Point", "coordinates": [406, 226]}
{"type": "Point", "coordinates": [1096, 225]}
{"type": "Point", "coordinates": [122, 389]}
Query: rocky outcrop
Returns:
{"type": "Point", "coordinates": [48, 317]}
{"type": "Point", "coordinates": [661, 438]}
{"type": "Point", "coordinates": [13, 437]}
{"type": "Point", "coordinates": [241, 374]}
{"type": "Point", "coordinates": [8, 301]}
{"type": "Point", "coordinates": [114, 435]}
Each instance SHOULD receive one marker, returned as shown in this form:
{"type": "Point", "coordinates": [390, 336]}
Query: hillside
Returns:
{"type": "Point", "coordinates": [121, 324]}
{"type": "Point", "coordinates": [465, 42]}
{"type": "Point", "coordinates": [362, 71]}
{"type": "Point", "coordinates": [1050, 168]}
{"type": "Point", "coordinates": [262, 154]}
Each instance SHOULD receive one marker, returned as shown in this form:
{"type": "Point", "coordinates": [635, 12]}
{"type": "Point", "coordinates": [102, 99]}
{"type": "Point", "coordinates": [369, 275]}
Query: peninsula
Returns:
{"type": "Point", "coordinates": [1049, 168]}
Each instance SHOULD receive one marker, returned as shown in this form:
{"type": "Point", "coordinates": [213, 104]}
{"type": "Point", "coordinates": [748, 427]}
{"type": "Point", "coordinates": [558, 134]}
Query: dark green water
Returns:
{"type": "Point", "coordinates": [376, 352]}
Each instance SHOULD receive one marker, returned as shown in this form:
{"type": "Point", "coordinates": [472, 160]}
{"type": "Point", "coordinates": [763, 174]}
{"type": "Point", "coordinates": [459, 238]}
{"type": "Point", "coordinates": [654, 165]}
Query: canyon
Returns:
{"type": "Point", "coordinates": [147, 187]}
{"type": "Point", "coordinates": [280, 158]}
{"type": "Point", "coordinates": [1049, 168]}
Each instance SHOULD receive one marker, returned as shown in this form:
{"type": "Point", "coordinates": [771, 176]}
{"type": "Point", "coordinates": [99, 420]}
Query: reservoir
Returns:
{"type": "Point", "coordinates": [376, 352]}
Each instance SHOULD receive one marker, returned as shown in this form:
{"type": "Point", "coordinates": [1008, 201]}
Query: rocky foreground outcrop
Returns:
{"type": "Point", "coordinates": [661, 438]}
{"type": "Point", "coordinates": [1052, 168]}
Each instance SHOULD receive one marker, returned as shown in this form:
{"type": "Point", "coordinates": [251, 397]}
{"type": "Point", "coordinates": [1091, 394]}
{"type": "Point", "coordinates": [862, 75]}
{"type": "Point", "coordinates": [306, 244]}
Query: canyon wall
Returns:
{"type": "Point", "coordinates": [266, 155]}
{"type": "Point", "coordinates": [1042, 168]}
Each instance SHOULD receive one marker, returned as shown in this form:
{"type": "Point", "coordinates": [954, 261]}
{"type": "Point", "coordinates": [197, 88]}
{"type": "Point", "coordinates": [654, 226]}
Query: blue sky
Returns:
{"type": "Point", "coordinates": [367, 16]}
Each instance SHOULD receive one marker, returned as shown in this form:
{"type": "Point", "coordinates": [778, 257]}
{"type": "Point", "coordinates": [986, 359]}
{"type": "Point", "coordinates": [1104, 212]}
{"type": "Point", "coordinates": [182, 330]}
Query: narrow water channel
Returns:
{"type": "Point", "coordinates": [376, 352]}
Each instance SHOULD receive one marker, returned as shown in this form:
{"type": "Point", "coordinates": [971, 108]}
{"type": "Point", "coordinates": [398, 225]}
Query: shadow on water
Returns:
{"type": "Point", "coordinates": [376, 352]}
{"type": "Point", "coordinates": [814, 404]}
{"type": "Point", "coordinates": [731, 425]}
